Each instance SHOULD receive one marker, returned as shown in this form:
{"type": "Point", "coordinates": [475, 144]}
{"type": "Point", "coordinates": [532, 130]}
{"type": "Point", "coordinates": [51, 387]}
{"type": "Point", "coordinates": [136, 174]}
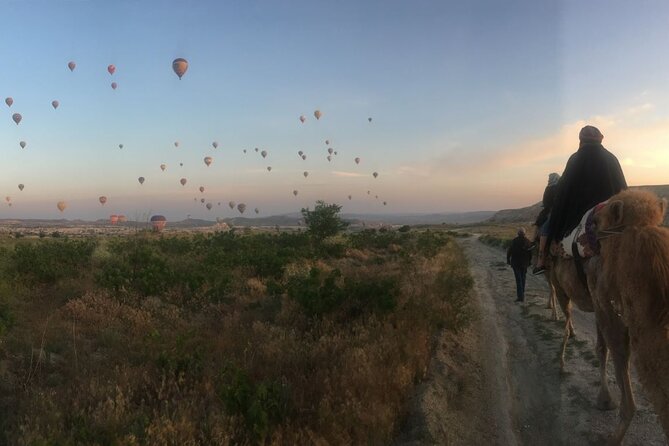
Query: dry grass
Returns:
{"type": "Point", "coordinates": [104, 368]}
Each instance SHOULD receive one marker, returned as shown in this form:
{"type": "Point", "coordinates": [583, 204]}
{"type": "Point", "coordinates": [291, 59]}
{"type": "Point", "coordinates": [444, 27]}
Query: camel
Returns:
{"type": "Point", "coordinates": [622, 284]}
{"type": "Point", "coordinates": [633, 281]}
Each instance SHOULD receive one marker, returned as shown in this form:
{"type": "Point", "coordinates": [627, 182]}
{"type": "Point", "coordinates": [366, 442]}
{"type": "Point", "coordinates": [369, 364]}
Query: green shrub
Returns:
{"type": "Point", "coordinates": [261, 405]}
{"type": "Point", "coordinates": [48, 261]}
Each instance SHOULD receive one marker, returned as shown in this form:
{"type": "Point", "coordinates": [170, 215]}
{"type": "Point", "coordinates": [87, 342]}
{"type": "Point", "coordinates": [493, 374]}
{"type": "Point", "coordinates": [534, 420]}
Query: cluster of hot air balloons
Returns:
{"type": "Point", "coordinates": [180, 67]}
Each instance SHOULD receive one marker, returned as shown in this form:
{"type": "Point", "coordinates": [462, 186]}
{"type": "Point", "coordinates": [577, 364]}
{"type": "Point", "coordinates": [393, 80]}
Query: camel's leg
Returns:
{"type": "Point", "coordinates": [572, 333]}
{"type": "Point", "coordinates": [621, 361]}
{"type": "Point", "coordinates": [604, 400]}
{"type": "Point", "coordinates": [565, 304]}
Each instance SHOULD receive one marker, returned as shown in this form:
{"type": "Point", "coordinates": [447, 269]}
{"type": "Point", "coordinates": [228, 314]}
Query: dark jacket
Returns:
{"type": "Point", "coordinates": [592, 175]}
{"type": "Point", "coordinates": [519, 255]}
{"type": "Point", "coordinates": [547, 202]}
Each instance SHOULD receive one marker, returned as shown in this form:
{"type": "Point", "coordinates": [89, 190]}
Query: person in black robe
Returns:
{"type": "Point", "coordinates": [542, 220]}
{"type": "Point", "coordinates": [592, 175]}
{"type": "Point", "coordinates": [518, 256]}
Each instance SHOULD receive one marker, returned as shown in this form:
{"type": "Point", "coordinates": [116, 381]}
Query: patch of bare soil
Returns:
{"type": "Point", "coordinates": [499, 382]}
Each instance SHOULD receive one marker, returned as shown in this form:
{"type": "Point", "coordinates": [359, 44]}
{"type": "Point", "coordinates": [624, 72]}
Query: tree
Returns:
{"type": "Point", "coordinates": [324, 220]}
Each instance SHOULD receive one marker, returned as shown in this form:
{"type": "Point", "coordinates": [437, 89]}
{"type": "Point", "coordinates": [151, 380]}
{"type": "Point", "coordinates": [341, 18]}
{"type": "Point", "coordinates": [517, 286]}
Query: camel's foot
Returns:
{"type": "Point", "coordinates": [572, 333]}
{"type": "Point", "coordinates": [614, 440]}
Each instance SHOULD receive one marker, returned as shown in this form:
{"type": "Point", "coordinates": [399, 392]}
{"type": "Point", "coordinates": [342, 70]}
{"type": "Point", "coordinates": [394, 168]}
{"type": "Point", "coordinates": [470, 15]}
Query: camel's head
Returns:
{"type": "Point", "coordinates": [631, 208]}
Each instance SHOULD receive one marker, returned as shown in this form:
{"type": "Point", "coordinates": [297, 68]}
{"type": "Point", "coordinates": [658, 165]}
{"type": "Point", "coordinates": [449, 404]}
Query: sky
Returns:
{"type": "Point", "coordinates": [472, 103]}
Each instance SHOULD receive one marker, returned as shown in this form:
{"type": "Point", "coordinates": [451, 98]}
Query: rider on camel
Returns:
{"type": "Point", "coordinates": [592, 175]}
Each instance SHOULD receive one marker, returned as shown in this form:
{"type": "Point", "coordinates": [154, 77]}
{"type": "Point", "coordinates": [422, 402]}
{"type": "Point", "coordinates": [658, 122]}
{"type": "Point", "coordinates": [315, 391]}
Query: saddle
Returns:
{"type": "Point", "coordinates": [582, 241]}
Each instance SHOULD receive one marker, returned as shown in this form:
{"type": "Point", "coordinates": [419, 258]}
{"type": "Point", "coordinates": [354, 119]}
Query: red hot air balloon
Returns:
{"type": "Point", "coordinates": [111, 69]}
{"type": "Point", "coordinates": [180, 66]}
{"type": "Point", "coordinates": [16, 117]}
{"type": "Point", "coordinates": [113, 219]}
{"type": "Point", "coordinates": [71, 65]}
{"type": "Point", "coordinates": [158, 223]}
{"type": "Point", "coordinates": [9, 101]}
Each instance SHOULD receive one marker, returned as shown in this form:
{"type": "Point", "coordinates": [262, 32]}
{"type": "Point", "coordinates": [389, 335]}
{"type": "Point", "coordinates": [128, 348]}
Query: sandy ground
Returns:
{"type": "Point", "coordinates": [499, 383]}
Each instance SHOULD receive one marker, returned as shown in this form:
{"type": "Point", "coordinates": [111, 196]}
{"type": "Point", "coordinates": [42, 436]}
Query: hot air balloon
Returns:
{"type": "Point", "coordinates": [163, 167]}
{"type": "Point", "coordinates": [327, 142]}
{"type": "Point", "coordinates": [256, 149]}
{"type": "Point", "coordinates": [295, 193]}
{"type": "Point", "coordinates": [22, 144]}
{"type": "Point", "coordinates": [357, 160]}
{"type": "Point", "coordinates": [369, 119]}
{"type": "Point", "coordinates": [180, 66]}
{"type": "Point", "coordinates": [103, 200]}
{"type": "Point", "coordinates": [122, 219]}
{"type": "Point", "coordinates": [306, 174]}
{"type": "Point", "coordinates": [17, 118]}
{"type": "Point", "coordinates": [256, 210]}
{"type": "Point", "coordinates": [350, 197]}
{"type": "Point", "coordinates": [111, 69]}
{"type": "Point", "coordinates": [300, 153]}
{"type": "Point", "coordinates": [368, 192]}
{"type": "Point", "coordinates": [61, 205]}
{"type": "Point", "coordinates": [208, 160]}
{"type": "Point", "coordinates": [209, 206]}
{"type": "Point", "coordinates": [141, 180]}
{"type": "Point", "coordinates": [55, 104]}
{"type": "Point", "coordinates": [244, 150]}
{"type": "Point", "coordinates": [269, 168]}
{"type": "Point", "coordinates": [71, 65]}
{"type": "Point", "coordinates": [113, 219]}
{"type": "Point", "coordinates": [376, 196]}
{"type": "Point", "coordinates": [264, 153]}
{"type": "Point", "coordinates": [329, 158]}
{"type": "Point", "coordinates": [120, 146]}
{"type": "Point", "coordinates": [304, 157]}
{"type": "Point", "coordinates": [385, 203]}
{"type": "Point", "coordinates": [158, 223]}
{"type": "Point", "coordinates": [302, 119]}
{"type": "Point", "coordinates": [9, 101]}
{"type": "Point", "coordinates": [219, 203]}
{"type": "Point", "coordinates": [183, 181]}
{"type": "Point", "coordinates": [241, 207]}
{"type": "Point", "coordinates": [231, 204]}
{"type": "Point", "coordinates": [335, 152]}
{"type": "Point", "coordinates": [114, 85]}
{"type": "Point", "coordinates": [330, 150]}
{"type": "Point", "coordinates": [215, 144]}
{"type": "Point", "coordinates": [202, 189]}
{"type": "Point", "coordinates": [318, 114]}
{"type": "Point", "coordinates": [181, 164]}
{"type": "Point", "coordinates": [176, 143]}
{"type": "Point", "coordinates": [21, 186]}
{"type": "Point", "coordinates": [8, 199]}
{"type": "Point", "coordinates": [202, 200]}
{"type": "Point", "coordinates": [375, 174]}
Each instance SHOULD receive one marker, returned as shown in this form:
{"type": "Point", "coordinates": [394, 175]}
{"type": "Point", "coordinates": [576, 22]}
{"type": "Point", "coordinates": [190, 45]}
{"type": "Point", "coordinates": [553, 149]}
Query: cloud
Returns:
{"type": "Point", "coordinates": [339, 173]}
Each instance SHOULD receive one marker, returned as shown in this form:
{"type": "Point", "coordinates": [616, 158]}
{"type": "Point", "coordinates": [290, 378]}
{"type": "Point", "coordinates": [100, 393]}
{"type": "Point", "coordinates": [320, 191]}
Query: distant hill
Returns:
{"type": "Point", "coordinates": [291, 219]}
{"type": "Point", "coordinates": [529, 214]}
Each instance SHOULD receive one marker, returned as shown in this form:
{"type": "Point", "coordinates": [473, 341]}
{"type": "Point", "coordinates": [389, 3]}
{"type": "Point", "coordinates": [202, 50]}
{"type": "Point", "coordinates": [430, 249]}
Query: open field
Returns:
{"type": "Point", "coordinates": [221, 338]}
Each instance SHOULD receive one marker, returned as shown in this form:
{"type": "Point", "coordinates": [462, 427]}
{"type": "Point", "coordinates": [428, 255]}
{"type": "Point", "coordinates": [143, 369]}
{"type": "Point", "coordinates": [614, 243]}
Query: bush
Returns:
{"type": "Point", "coordinates": [261, 405]}
{"type": "Point", "coordinates": [51, 260]}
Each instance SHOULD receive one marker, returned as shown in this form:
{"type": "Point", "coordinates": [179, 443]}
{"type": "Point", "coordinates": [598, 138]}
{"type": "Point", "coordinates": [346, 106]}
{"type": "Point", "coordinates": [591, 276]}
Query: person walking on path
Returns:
{"type": "Point", "coordinates": [519, 257]}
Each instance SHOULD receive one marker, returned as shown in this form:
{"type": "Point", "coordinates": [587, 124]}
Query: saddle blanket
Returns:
{"type": "Point", "coordinates": [584, 236]}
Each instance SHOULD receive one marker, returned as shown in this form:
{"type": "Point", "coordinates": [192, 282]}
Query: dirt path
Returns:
{"type": "Point", "coordinates": [499, 383]}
